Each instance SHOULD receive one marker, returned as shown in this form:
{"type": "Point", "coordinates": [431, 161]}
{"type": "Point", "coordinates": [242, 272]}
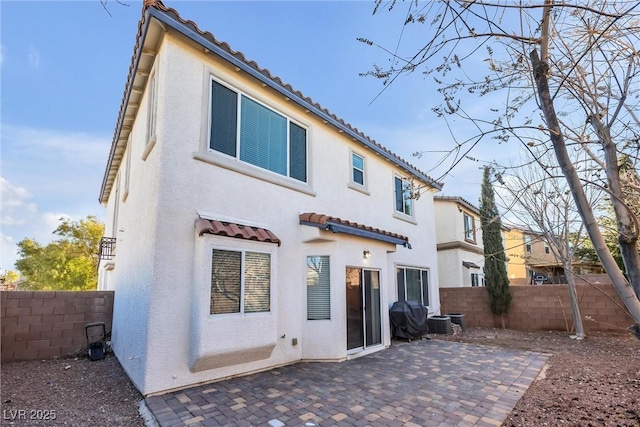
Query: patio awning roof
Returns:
{"type": "Point", "coordinates": [339, 225]}
{"type": "Point", "coordinates": [470, 264]}
{"type": "Point", "coordinates": [239, 231]}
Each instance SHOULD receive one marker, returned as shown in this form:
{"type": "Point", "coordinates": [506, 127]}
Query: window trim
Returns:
{"type": "Point", "coordinates": [127, 172]}
{"type": "Point", "coordinates": [307, 287]}
{"type": "Point", "coordinates": [152, 114]}
{"type": "Point", "coordinates": [240, 93]}
{"type": "Point", "coordinates": [401, 214]}
{"type": "Point", "coordinates": [420, 269]}
{"type": "Point", "coordinates": [528, 244]}
{"type": "Point", "coordinates": [353, 184]}
{"type": "Point", "coordinates": [465, 215]}
{"type": "Point", "coordinates": [243, 251]}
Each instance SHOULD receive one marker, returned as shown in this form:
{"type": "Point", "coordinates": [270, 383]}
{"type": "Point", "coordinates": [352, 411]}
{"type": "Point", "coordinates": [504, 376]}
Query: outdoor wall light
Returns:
{"type": "Point", "coordinates": [367, 254]}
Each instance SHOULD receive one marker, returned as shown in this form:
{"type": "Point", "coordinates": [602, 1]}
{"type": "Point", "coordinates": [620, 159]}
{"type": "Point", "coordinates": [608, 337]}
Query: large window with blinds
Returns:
{"type": "Point", "coordinates": [240, 282]}
{"type": "Point", "coordinates": [318, 288]}
{"type": "Point", "coordinates": [413, 284]}
{"type": "Point", "coordinates": [249, 131]}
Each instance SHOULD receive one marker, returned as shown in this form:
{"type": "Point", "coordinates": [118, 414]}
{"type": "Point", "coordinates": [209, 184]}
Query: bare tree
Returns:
{"type": "Point", "coordinates": [538, 197]}
{"type": "Point", "coordinates": [569, 75]}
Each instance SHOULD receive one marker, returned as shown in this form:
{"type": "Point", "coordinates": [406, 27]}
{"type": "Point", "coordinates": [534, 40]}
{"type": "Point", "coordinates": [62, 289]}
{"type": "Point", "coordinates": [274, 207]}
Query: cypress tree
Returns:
{"type": "Point", "coordinates": [495, 267]}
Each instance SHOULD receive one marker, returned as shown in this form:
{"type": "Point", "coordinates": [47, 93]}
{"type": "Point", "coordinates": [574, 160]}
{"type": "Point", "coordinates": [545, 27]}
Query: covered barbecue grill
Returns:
{"type": "Point", "coordinates": [408, 320]}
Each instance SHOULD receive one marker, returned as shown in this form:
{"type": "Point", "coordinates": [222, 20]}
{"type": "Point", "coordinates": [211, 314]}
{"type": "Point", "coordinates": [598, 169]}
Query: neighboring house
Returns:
{"type": "Point", "coordinates": [531, 260]}
{"type": "Point", "coordinates": [247, 226]}
{"type": "Point", "coordinates": [459, 240]}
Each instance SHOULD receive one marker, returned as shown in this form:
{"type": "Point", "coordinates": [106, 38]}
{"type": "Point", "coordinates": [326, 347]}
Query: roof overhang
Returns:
{"type": "Point", "coordinates": [337, 225]}
{"type": "Point", "coordinates": [169, 19]}
{"type": "Point", "coordinates": [238, 231]}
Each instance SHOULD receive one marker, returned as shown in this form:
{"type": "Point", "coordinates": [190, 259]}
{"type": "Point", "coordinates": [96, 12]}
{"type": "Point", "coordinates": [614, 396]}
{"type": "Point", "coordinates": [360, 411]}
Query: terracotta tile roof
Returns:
{"type": "Point", "coordinates": [230, 229]}
{"type": "Point", "coordinates": [158, 5]}
{"type": "Point", "coordinates": [336, 225]}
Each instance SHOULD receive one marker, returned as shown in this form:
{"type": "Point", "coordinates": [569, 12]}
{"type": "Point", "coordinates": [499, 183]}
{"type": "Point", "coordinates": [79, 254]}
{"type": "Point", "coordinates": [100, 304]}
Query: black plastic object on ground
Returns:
{"type": "Point", "coordinates": [408, 320]}
{"type": "Point", "coordinates": [96, 349]}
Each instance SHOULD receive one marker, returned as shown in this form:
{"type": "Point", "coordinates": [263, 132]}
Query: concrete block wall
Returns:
{"type": "Point", "coordinates": [41, 325]}
{"type": "Point", "coordinates": [544, 307]}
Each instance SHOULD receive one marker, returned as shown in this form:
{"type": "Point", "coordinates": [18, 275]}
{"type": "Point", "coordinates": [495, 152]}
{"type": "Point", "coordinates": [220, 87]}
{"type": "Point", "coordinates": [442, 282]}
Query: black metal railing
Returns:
{"type": "Point", "coordinates": [107, 248]}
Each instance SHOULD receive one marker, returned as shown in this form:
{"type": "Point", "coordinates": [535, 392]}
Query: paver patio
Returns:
{"type": "Point", "coordinates": [422, 383]}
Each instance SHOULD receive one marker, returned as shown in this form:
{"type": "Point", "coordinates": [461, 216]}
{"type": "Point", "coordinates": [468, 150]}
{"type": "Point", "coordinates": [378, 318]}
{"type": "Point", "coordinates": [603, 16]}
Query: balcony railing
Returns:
{"type": "Point", "coordinates": [107, 248]}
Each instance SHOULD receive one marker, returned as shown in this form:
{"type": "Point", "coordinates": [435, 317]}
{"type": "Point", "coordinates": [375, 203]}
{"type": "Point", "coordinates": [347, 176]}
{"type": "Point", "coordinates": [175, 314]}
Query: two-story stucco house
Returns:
{"type": "Point", "coordinates": [247, 226]}
{"type": "Point", "coordinates": [459, 243]}
{"type": "Point", "coordinates": [531, 260]}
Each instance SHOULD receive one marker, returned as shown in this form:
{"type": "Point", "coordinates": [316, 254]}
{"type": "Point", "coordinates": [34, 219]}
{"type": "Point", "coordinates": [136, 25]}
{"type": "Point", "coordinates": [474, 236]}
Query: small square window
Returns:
{"type": "Point", "coordinates": [357, 168]}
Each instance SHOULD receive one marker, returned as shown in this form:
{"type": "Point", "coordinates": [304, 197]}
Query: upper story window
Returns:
{"type": "Point", "coordinates": [527, 243]}
{"type": "Point", "coordinates": [357, 169]}
{"type": "Point", "coordinates": [245, 129]}
{"type": "Point", "coordinates": [152, 110]}
{"type": "Point", "coordinates": [404, 203]}
{"type": "Point", "coordinates": [469, 228]}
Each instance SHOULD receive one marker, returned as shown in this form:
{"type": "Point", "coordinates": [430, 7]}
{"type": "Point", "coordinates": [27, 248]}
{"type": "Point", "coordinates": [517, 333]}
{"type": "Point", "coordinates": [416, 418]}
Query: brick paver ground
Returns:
{"type": "Point", "coordinates": [422, 383]}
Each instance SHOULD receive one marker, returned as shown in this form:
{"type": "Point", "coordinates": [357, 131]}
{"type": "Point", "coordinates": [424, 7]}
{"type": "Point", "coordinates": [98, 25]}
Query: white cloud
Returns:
{"type": "Point", "coordinates": [20, 218]}
{"type": "Point", "coordinates": [71, 146]}
{"type": "Point", "coordinates": [52, 220]}
{"type": "Point", "coordinates": [15, 204]}
{"type": "Point", "coordinates": [34, 57]}
{"type": "Point", "coordinates": [8, 252]}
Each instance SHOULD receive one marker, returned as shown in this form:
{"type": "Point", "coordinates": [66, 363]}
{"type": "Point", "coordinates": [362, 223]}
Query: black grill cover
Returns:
{"type": "Point", "coordinates": [408, 319]}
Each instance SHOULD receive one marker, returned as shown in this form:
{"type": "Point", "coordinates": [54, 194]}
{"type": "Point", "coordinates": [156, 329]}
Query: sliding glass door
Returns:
{"type": "Point", "coordinates": [364, 324]}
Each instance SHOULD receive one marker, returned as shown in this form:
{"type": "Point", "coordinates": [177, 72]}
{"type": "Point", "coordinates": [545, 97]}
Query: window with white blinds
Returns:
{"type": "Point", "coordinates": [318, 288]}
{"type": "Point", "coordinates": [240, 282]}
{"type": "Point", "coordinates": [243, 128]}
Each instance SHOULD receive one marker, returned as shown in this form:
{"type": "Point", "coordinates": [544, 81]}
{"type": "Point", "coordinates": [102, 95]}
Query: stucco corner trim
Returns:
{"type": "Point", "coordinates": [205, 362]}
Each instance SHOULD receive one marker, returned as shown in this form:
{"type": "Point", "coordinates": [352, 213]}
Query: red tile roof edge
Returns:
{"type": "Point", "coordinates": [321, 219]}
{"type": "Point", "coordinates": [230, 229]}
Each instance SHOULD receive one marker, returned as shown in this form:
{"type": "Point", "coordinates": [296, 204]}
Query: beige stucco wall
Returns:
{"type": "Point", "coordinates": [453, 248]}
{"type": "Point", "coordinates": [162, 269]}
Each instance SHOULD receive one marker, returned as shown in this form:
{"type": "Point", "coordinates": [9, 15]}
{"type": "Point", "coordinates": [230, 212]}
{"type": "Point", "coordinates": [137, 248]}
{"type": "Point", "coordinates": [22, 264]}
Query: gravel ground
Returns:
{"type": "Point", "coordinates": [68, 392]}
{"type": "Point", "coordinates": [594, 382]}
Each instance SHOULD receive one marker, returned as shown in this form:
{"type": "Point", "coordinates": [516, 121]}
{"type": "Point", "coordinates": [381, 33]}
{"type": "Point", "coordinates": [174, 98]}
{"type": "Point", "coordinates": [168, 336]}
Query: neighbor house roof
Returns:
{"type": "Point", "coordinates": [460, 201]}
{"type": "Point", "coordinates": [136, 80]}
{"type": "Point", "coordinates": [339, 225]}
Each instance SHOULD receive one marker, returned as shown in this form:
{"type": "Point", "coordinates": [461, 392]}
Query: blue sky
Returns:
{"type": "Point", "coordinates": [63, 68]}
